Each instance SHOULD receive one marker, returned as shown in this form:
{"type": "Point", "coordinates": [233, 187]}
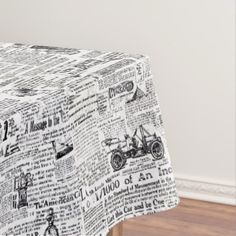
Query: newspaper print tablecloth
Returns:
{"type": "Point", "coordinates": [82, 145]}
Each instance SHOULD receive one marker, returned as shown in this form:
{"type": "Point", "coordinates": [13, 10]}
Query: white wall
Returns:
{"type": "Point", "coordinates": [192, 46]}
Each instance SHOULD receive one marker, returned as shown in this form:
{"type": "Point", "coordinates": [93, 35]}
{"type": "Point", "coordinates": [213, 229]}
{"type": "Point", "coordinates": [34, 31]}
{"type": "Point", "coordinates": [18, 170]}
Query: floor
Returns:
{"type": "Point", "coordinates": [190, 218]}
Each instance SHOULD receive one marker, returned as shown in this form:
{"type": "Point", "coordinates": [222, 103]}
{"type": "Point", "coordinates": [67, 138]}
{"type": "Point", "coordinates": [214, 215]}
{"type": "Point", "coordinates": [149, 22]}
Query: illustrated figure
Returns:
{"type": "Point", "coordinates": [21, 185]}
{"type": "Point", "coordinates": [51, 230]}
{"type": "Point", "coordinates": [128, 141]}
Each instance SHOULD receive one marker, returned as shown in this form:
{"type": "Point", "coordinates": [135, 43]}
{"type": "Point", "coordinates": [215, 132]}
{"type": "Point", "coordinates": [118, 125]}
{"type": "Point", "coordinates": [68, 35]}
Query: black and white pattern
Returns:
{"type": "Point", "coordinates": [82, 144]}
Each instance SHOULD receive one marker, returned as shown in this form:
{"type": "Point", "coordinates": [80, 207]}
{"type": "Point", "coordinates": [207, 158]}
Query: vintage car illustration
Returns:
{"type": "Point", "coordinates": [140, 144]}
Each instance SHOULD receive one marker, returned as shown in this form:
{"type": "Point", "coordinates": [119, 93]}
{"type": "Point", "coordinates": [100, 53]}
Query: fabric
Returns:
{"type": "Point", "coordinates": [82, 144]}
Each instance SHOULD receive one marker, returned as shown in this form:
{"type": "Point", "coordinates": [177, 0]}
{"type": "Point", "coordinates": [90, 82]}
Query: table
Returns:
{"type": "Point", "coordinates": [116, 230]}
{"type": "Point", "coordinates": [82, 143]}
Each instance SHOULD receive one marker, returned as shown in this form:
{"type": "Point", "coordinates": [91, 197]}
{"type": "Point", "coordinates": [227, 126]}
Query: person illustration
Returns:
{"type": "Point", "coordinates": [51, 230]}
{"type": "Point", "coordinates": [21, 185]}
{"type": "Point", "coordinates": [128, 141]}
{"type": "Point", "coordinates": [131, 142]}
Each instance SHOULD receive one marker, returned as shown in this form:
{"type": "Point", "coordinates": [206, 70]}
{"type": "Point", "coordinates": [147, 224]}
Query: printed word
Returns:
{"type": "Point", "coordinates": [126, 86]}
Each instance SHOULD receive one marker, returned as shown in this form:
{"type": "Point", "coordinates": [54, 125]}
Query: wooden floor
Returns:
{"type": "Point", "coordinates": [189, 218]}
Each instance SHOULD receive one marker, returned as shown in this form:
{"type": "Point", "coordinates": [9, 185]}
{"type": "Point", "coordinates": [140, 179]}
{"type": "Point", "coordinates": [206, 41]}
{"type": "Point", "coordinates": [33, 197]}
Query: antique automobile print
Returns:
{"type": "Point", "coordinates": [137, 145]}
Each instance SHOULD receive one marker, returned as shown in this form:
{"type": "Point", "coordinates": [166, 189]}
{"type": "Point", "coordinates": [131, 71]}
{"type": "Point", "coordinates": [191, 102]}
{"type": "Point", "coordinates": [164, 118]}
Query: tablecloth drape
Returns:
{"type": "Point", "coordinates": [82, 145]}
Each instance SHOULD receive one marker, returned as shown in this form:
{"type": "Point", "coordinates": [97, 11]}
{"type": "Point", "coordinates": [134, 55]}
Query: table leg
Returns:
{"type": "Point", "coordinates": [116, 230]}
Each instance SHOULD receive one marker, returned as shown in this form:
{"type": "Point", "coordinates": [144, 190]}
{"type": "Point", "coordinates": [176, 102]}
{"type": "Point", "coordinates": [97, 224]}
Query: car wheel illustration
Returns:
{"type": "Point", "coordinates": [118, 160]}
{"type": "Point", "coordinates": [157, 149]}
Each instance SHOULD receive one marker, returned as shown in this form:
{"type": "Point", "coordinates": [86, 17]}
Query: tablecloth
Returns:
{"type": "Point", "coordinates": [82, 144]}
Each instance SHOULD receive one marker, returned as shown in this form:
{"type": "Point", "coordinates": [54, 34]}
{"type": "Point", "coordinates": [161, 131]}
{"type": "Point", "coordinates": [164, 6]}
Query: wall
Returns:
{"type": "Point", "coordinates": [192, 47]}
